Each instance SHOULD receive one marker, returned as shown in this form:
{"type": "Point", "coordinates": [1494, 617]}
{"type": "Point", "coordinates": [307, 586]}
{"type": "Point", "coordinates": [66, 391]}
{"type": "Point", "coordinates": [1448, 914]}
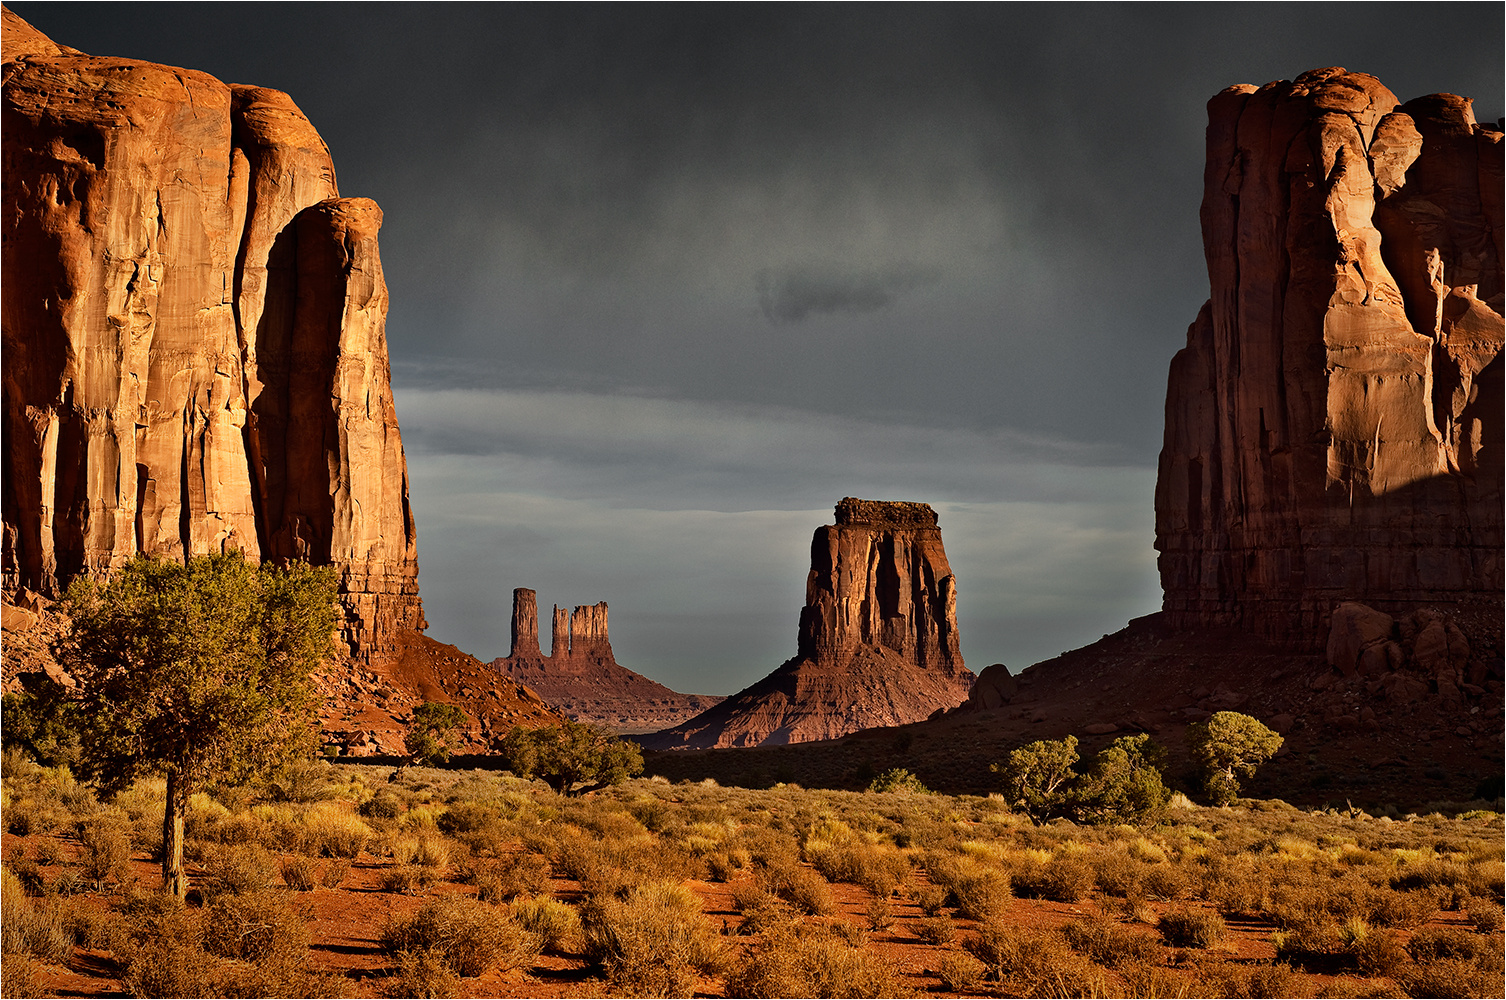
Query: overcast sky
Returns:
{"type": "Point", "coordinates": [669, 281]}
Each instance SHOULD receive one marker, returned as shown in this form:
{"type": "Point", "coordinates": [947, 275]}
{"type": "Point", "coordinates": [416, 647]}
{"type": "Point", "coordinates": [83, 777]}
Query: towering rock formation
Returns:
{"type": "Point", "coordinates": [582, 678]}
{"type": "Point", "coordinates": [195, 355]}
{"type": "Point", "coordinates": [878, 641]}
{"type": "Point", "coordinates": [1334, 425]}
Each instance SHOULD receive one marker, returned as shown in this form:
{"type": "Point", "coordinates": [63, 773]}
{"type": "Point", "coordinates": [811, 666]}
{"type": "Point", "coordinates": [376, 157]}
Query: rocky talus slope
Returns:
{"type": "Point", "coordinates": [1334, 424]}
{"type": "Point", "coordinates": [878, 641]}
{"type": "Point", "coordinates": [194, 336]}
{"type": "Point", "coordinates": [581, 677]}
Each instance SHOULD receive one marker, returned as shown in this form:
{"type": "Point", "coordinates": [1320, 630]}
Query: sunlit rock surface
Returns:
{"type": "Point", "coordinates": [1333, 427]}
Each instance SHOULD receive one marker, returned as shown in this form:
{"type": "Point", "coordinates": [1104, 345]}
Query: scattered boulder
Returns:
{"type": "Point", "coordinates": [993, 689]}
{"type": "Point", "coordinates": [1354, 630]}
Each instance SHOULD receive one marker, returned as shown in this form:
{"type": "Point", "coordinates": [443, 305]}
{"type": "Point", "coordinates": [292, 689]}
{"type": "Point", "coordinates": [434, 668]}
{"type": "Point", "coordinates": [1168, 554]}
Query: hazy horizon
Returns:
{"type": "Point", "coordinates": [669, 282]}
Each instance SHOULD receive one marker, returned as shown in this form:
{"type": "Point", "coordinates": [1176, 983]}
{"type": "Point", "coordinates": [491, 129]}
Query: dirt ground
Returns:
{"type": "Point", "coordinates": [346, 925]}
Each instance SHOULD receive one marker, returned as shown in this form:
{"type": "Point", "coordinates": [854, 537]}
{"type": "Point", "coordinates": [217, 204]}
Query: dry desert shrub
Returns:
{"type": "Point", "coordinates": [21, 977]}
{"type": "Point", "coordinates": [511, 876]}
{"type": "Point", "coordinates": [251, 945]}
{"type": "Point", "coordinates": [1183, 928]}
{"type": "Point", "coordinates": [812, 962]}
{"type": "Point", "coordinates": [929, 898]}
{"type": "Point", "coordinates": [472, 937]}
{"type": "Point", "coordinates": [1116, 873]}
{"type": "Point", "coordinates": [258, 927]}
{"type": "Point", "coordinates": [422, 973]}
{"type": "Point", "coordinates": [1110, 943]}
{"type": "Point", "coordinates": [1066, 879]}
{"type": "Point", "coordinates": [654, 942]}
{"type": "Point", "coordinates": [31, 928]}
{"type": "Point", "coordinates": [1378, 953]}
{"type": "Point", "coordinates": [939, 930]}
{"type": "Point", "coordinates": [408, 879]}
{"type": "Point", "coordinates": [1452, 962]}
{"type": "Point", "coordinates": [880, 913]}
{"type": "Point", "coordinates": [1038, 962]}
{"type": "Point", "coordinates": [1267, 979]}
{"type": "Point", "coordinates": [1404, 910]}
{"type": "Point", "coordinates": [556, 924]}
{"type": "Point", "coordinates": [328, 830]}
{"type": "Point", "coordinates": [724, 865]}
{"type": "Point", "coordinates": [1151, 980]}
{"type": "Point", "coordinates": [802, 888]}
{"type": "Point", "coordinates": [1164, 881]}
{"type": "Point", "coordinates": [231, 869]}
{"type": "Point", "coordinates": [979, 891]}
{"type": "Point", "coordinates": [960, 972]}
{"type": "Point", "coordinates": [384, 805]}
{"type": "Point", "coordinates": [1486, 917]}
{"type": "Point", "coordinates": [299, 873]}
{"type": "Point", "coordinates": [460, 818]}
{"type": "Point", "coordinates": [104, 850]}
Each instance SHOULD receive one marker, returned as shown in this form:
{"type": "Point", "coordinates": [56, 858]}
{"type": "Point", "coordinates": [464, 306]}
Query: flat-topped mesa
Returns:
{"type": "Point", "coordinates": [194, 336]}
{"type": "Point", "coordinates": [1334, 424]}
{"type": "Point", "coordinates": [880, 577]}
{"type": "Point", "coordinates": [582, 678]}
{"type": "Point", "coordinates": [878, 642]}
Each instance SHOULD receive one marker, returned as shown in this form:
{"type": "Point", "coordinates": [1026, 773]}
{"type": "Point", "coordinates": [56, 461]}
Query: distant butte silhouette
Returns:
{"type": "Point", "coordinates": [878, 641]}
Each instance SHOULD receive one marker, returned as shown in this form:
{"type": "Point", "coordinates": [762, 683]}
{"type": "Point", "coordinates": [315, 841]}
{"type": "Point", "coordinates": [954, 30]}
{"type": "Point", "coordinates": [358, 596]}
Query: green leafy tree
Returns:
{"type": "Point", "coordinates": [1124, 784]}
{"type": "Point", "coordinates": [572, 758]}
{"type": "Point", "coordinates": [433, 733]}
{"type": "Point", "coordinates": [195, 671]}
{"type": "Point", "coordinates": [897, 779]}
{"type": "Point", "coordinates": [43, 720]}
{"type": "Point", "coordinates": [1038, 777]}
{"type": "Point", "coordinates": [1229, 746]}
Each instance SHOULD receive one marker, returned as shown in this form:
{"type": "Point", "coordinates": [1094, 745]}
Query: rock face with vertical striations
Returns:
{"type": "Point", "coordinates": [1334, 424]}
{"type": "Point", "coordinates": [878, 643]}
{"type": "Point", "coordinates": [582, 678]}
{"type": "Point", "coordinates": [194, 336]}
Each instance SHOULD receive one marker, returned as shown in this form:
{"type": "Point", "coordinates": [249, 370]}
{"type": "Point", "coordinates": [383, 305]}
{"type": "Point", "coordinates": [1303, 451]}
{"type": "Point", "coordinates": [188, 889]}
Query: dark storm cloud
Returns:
{"type": "Point", "coordinates": [659, 245]}
{"type": "Point", "coordinates": [790, 295]}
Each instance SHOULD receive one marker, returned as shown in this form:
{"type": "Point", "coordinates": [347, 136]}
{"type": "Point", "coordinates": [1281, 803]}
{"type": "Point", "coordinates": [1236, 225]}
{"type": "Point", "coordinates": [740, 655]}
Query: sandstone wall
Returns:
{"type": "Point", "coordinates": [1333, 427]}
{"type": "Point", "coordinates": [194, 336]}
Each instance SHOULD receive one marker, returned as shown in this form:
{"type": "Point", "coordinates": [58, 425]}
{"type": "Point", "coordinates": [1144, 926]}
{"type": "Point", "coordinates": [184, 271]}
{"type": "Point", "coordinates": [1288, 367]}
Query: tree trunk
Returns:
{"type": "Point", "coordinates": [173, 879]}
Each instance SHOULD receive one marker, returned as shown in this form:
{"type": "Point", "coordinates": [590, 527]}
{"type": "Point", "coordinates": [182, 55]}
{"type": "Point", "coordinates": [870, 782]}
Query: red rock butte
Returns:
{"type": "Point", "coordinates": [878, 641]}
{"type": "Point", "coordinates": [581, 676]}
{"type": "Point", "coordinates": [194, 337]}
{"type": "Point", "coordinates": [1334, 424]}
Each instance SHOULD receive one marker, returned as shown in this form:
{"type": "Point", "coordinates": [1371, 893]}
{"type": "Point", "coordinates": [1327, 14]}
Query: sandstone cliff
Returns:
{"type": "Point", "coordinates": [581, 676]}
{"type": "Point", "coordinates": [193, 322]}
{"type": "Point", "coordinates": [1334, 425]}
{"type": "Point", "coordinates": [878, 643]}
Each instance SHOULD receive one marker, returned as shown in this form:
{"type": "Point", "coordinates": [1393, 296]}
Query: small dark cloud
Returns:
{"type": "Point", "coordinates": [794, 294]}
